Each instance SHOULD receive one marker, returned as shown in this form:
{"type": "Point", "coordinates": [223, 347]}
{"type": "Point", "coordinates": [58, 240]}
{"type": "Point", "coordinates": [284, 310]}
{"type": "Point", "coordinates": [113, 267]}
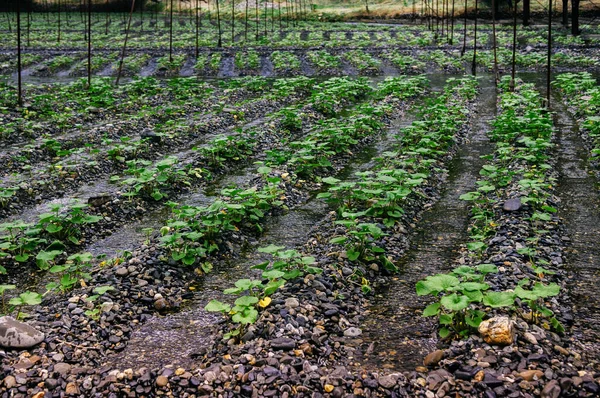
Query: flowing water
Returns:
{"type": "Point", "coordinates": [579, 209]}
{"type": "Point", "coordinates": [395, 336]}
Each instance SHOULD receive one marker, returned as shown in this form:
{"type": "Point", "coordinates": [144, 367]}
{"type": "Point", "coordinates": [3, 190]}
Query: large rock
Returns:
{"type": "Point", "coordinates": [498, 330]}
{"type": "Point", "coordinates": [15, 334]}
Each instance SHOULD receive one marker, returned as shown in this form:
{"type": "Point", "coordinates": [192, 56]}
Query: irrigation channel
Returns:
{"type": "Point", "coordinates": [580, 204]}
{"type": "Point", "coordinates": [395, 336]}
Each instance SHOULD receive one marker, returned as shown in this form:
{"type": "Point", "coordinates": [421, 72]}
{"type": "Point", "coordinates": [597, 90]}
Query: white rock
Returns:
{"type": "Point", "coordinates": [16, 334]}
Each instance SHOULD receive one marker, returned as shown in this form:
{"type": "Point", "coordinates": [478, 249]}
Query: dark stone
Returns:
{"type": "Point", "coordinates": [512, 204]}
{"type": "Point", "coordinates": [591, 387]}
{"type": "Point", "coordinates": [151, 136]}
{"type": "Point", "coordinates": [463, 375]}
{"type": "Point", "coordinates": [270, 371]}
{"type": "Point", "coordinates": [565, 383]}
{"type": "Point", "coordinates": [283, 343]}
{"type": "Point", "coordinates": [491, 381]}
{"type": "Point", "coordinates": [551, 390]}
{"type": "Point", "coordinates": [96, 201]}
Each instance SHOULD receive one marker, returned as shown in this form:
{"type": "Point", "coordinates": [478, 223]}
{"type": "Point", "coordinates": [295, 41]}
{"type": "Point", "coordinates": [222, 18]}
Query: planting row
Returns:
{"type": "Point", "coordinates": [43, 33]}
{"type": "Point", "coordinates": [509, 281]}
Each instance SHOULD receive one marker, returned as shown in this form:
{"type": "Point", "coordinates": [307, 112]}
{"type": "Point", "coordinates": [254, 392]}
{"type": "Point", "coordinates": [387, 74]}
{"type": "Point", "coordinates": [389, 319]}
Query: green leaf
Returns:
{"type": "Point", "coordinates": [352, 254]}
{"type": "Point", "coordinates": [248, 316]}
{"type": "Point", "coordinates": [273, 274]}
{"type": "Point", "coordinates": [454, 302]}
{"type": "Point", "coordinates": [330, 180]}
{"type": "Point", "coordinates": [469, 196]}
{"type": "Point", "coordinates": [217, 306]}
{"type": "Point", "coordinates": [557, 325]}
{"type": "Point", "coordinates": [271, 249]}
{"type": "Point", "coordinates": [473, 320]}
{"type": "Point", "coordinates": [246, 301]}
{"type": "Point", "coordinates": [4, 288]}
{"type": "Point", "coordinates": [472, 286]}
{"type": "Point", "coordinates": [474, 296]}
{"type": "Point", "coordinates": [22, 257]}
{"type": "Point", "coordinates": [338, 240]}
{"type": "Point", "coordinates": [103, 289]}
{"type": "Point", "coordinates": [26, 298]}
{"type": "Point", "coordinates": [487, 268]}
{"type": "Point", "coordinates": [499, 299]}
{"type": "Point", "coordinates": [463, 270]}
{"type": "Point", "coordinates": [48, 256]}
{"type": "Point", "coordinates": [476, 246]}
{"type": "Point", "coordinates": [525, 294]}
{"type": "Point", "coordinates": [436, 283]}
{"type": "Point", "coordinates": [446, 319]}
{"type": "Point", "coordinates": [53, 228]}
{"type": "Point", "coordinates": [546, 290]}
{"type": "Point", "coordinates": [444, 332]}
{"type": "Point", "coordinates": [431, 309]}
{"type": "Point", "coordinates": [272, 287]}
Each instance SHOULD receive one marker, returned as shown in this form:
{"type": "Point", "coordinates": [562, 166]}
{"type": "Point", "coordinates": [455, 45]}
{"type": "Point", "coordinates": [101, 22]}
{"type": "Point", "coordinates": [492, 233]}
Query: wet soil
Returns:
{"type": "Point", "coordinates": [579, 208]}
{"type": "Point", "coordinates": [395, 336]}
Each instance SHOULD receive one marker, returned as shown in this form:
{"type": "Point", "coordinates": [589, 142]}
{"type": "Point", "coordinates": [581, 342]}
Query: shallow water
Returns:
{"type": "Point", "coordinates": [579, 208]}
{"type": "Point", "coordinates": [395, 336]}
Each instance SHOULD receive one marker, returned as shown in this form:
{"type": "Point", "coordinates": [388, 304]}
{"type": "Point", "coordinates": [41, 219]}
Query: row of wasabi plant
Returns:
{"type": "Point", "coordinates": [380, 194]}
{"type": "Point", "coordinates": [142, 176]}
{"type": "Point", "coordinates": [582, 93]}
{"type": "Point", "coordinates": [518, 169]}
{"type": "Point", "coordinates": [286, 264]}
{"type": "Point", "coordinates": [50, 243]}
{"type": "Point", "coordinates": [239, 208]}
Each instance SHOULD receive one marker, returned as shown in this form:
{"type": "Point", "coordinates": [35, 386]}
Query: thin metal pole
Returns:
{"type": "Point", "coordinates": [494, 41]}
{"type": "Point", "coordinates": [257, 20]}
{"type": "Point", "coordinates": [514, 50]}
{"type": "Point", "coordinates": [549, 66]}
{"type": "Point", "coordinates": [89, 35]}
{"type": "Point", "coordinates": [19, 78]}
{"type": "Point", "coordinates": [197, 33]}
{"type": "Point", "coordinates": [464, 47]}
{"type": "Point", "coordinates": [232, 21]}
{"type": "Point", "coordinates": [452, 25]}
{"type": "Point", "coordinates": [171, 32]}
{"type": "Point", "coordinates": [58, 37]}
{"type": "Point", "coordinates": [474, 64]}
{"type": "Point", "coordinates": [125, 44]}
{"type": "Point", "coordinates": [219, 41]}
{"type": "Point", "coordinates": [266, 15]}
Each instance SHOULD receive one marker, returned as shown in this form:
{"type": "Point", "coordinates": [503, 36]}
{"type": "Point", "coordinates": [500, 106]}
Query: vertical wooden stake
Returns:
{"type": "Point", "coordinates": [219, 40]}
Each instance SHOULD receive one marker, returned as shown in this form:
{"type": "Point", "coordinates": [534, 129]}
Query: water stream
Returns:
{"type": "Point", "coordinates": [395, 336]}
{"type": "Point", "coordinates": [579, 209]}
